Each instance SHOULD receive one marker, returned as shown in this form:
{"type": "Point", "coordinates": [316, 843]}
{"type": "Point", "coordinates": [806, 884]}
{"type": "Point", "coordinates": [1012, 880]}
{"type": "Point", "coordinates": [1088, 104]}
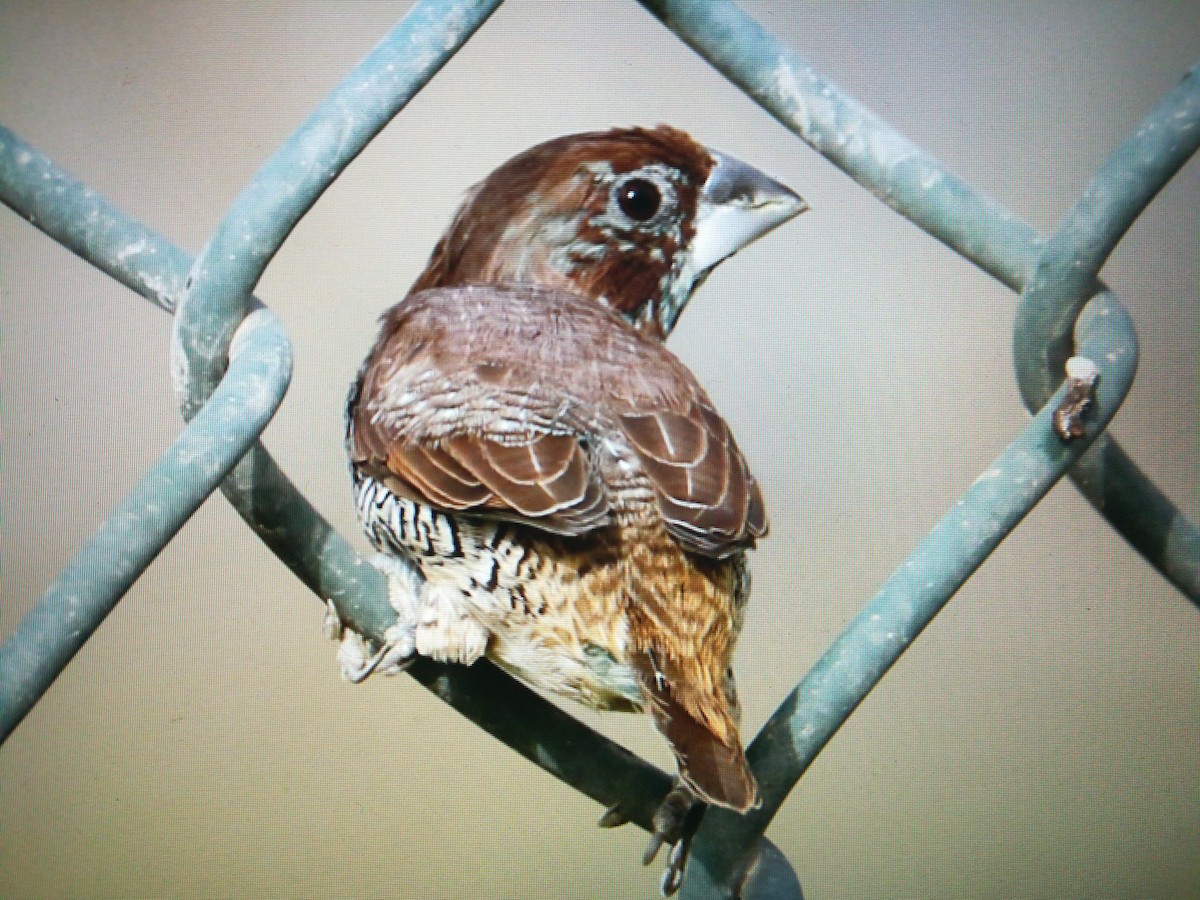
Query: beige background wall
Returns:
{"type": "Point", "coordinates": [1042, 738]}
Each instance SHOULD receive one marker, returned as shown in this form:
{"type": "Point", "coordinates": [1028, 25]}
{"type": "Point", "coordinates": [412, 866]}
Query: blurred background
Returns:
{"type": "Point", "coordinates": [1041, 738]}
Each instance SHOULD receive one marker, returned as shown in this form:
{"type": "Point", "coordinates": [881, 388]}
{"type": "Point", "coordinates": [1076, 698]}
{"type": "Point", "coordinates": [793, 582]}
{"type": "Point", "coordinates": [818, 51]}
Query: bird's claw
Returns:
{"type": "Point", "coordinates": [356, 671]}
{"type": "Point", "coordinates": [672, 876]}
{"type": "Point", "coordinates": [675, 824]}
{"type": "Point", "coordinates": [669, 820]}
{"type": "Point", "coordinates": [613, 817]}
{"type": "Point", "coordinates": [358, 663]}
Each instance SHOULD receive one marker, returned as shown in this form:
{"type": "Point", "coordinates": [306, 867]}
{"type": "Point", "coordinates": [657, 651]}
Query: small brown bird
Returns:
{"type": "Point", "coordinates": [558, 490]}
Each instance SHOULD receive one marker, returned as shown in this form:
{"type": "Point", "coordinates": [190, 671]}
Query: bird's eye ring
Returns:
{"type": "Point", "coordinates": [639, 198]}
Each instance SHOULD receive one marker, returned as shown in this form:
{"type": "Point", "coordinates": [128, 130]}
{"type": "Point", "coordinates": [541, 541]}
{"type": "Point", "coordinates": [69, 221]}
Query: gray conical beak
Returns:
{"type": "Point", "coordinates": [738, 205]}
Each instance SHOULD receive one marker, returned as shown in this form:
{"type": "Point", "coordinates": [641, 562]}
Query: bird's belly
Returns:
{"type": "Point", "coordinates": [557, 629]}
{"type": "Point", "coordinates": [554, 609]}
{"type": "Point", "coordinates": [585, 673]}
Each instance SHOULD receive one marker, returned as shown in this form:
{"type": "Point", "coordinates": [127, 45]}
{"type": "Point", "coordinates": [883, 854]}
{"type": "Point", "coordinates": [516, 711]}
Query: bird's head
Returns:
{"type": "Point", "coordinates": [634, 218]}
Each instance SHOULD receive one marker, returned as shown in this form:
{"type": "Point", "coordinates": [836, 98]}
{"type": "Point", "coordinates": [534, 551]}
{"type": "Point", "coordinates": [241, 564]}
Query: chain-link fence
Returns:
{"type": "Point", "coordinates": [231, 363]}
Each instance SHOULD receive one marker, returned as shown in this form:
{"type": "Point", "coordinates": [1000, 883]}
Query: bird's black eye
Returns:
{"type": "Point", "coordinates": [639, 198]}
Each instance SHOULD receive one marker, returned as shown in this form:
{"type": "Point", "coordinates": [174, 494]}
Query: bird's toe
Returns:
{"type": "Point", "coordinates": [675, 824]}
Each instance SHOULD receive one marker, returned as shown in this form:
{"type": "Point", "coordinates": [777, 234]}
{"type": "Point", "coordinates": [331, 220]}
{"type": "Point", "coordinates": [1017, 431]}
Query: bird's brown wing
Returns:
{"type": "Point", "coordinates": [709, 499]}
{"type": "Point", "coordinates": [546, 480]}
{"type": "Point", "coordinates": [500, 400]}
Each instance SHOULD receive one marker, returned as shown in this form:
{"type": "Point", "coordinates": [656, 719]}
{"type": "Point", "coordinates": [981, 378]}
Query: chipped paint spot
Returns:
{"type": "Point", "coordinates": [131, 250]}
{"type": "Point", "coordinates": [788, 90]}
{"type": "Point", "coordinates": [988, 475]}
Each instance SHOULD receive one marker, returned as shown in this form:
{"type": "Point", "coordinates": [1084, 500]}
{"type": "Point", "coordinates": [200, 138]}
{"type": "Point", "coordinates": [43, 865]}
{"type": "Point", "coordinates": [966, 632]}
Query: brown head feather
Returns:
{"type": "Point", "coordinates": [545, 217]}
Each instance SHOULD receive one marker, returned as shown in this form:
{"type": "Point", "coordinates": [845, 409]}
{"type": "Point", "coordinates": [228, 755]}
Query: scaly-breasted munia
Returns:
{"type": "Point", "coordinates": [570, 502]}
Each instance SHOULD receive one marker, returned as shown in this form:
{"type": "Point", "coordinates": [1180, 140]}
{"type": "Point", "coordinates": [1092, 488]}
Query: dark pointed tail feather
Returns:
{"type": "Point", "coordinates": [717, 772]}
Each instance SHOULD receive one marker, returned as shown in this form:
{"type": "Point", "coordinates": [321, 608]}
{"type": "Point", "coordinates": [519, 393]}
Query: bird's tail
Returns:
{"type": "Point", "coordinates": [712, 764]}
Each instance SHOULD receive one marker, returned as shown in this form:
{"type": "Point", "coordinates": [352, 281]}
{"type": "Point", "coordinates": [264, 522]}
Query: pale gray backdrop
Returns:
{"type": "Point", "coordinates": [1042, 738]}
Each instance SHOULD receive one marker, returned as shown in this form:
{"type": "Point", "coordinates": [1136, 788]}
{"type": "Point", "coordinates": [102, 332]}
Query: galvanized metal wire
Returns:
{"type": "Point", "coordinates": [231, 364]}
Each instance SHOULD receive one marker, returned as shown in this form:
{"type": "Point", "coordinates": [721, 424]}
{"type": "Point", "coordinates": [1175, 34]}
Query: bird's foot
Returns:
{"type": "Point", "coordinates": [396, 654]}
{"type": "Point", "coordinates": [354, 655]}
{"type": "Point", "coordinates": [675, 824]}
{"type": "Point", "coordinates": [332, 625]}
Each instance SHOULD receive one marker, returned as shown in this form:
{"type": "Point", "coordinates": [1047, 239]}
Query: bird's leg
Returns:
{"type": "Point", "coordinates": [399, 641]}
{"type": "Point", "coordinates": [675, 824]}
{"type": "Point", "coordinates": [354, 654]}
{"type": "Point", "coordinates": [355, 657]}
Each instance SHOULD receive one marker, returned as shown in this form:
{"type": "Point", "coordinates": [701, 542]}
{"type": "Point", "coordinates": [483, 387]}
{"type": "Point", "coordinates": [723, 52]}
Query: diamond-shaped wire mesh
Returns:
{"type": "Point", "coordinates": [915, 184]}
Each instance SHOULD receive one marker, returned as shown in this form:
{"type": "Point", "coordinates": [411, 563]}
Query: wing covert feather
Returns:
{"type": "Point", "coordinates": [495, 400]}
